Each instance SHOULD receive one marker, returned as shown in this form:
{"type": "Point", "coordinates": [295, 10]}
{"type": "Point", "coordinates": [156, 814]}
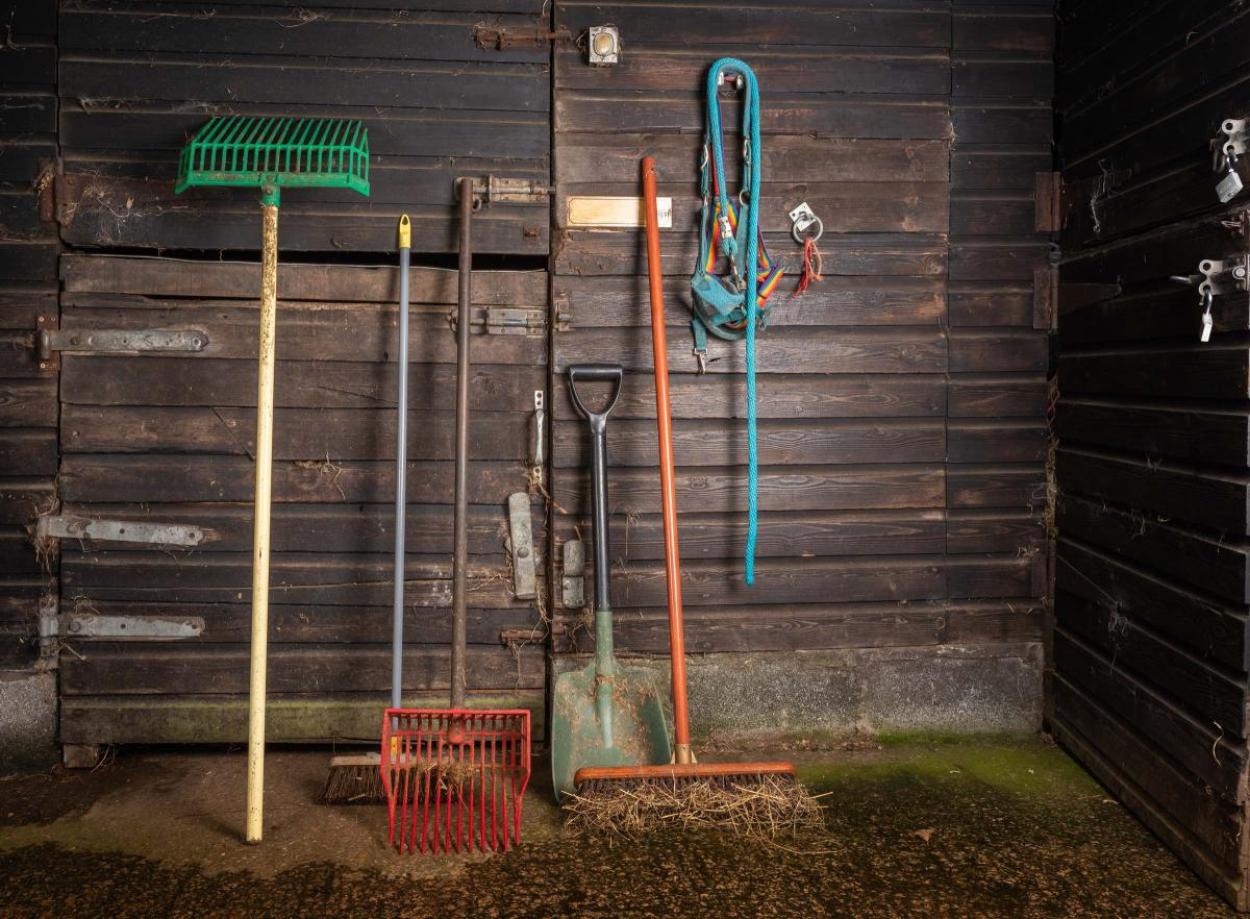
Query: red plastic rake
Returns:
{"type": "Point", "coordinates": [455, 778]}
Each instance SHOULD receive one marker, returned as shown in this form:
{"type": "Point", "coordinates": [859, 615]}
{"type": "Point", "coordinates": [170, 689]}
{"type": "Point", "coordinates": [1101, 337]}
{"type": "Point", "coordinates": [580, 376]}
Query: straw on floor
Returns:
{"type": "Point", "coordinates": [766, 807]}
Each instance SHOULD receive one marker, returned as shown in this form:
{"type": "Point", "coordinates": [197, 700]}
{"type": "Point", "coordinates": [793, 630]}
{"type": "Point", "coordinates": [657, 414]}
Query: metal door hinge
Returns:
{"type": "Point", "coordinates": [502, 38]}
{"type": "Point", "coordinates": [501, 320]}
{"type": "Point", "coordinates": [493, 189]}
{"type": "Point", "coordinates": [524, 584]}
{"type": "Point", "coordinates": [120, 341]}
{"type": "Point", "coordinates": [131, 531]}
{"type": "Point", "coordinates": [49, 633]}
{"type": "Point", "coordinates": [132, 628]}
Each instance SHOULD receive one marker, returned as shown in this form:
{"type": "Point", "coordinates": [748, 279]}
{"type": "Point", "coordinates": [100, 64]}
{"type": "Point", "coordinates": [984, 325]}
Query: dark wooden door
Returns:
{"type": "Point", "coordinates": [1150, 638]}
{"type": "Point", "coordinates": [167, 438]}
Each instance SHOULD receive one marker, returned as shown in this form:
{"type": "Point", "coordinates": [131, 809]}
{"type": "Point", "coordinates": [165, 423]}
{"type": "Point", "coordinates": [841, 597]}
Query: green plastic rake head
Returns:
{"type": "Point", "coordinates": [272, 153]}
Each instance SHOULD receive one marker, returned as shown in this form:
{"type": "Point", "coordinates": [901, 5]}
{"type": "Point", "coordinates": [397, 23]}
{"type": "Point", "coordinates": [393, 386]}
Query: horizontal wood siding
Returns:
{"type": "Point", "coordinates": [28, 299]}
{"type": "Point", "coordinates": [1152, 601]}
{"type": "Point", "coordinates": [169, 438]}
{"type": "Point", "coordinates": [137, 79]}
{"type": "Point", "coordinates": [901, 399]}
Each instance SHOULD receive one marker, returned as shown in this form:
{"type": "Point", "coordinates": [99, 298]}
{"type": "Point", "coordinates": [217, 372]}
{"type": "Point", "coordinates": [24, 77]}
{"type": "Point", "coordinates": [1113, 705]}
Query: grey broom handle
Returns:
{"type": "Point", "coordinates": [401, 472]}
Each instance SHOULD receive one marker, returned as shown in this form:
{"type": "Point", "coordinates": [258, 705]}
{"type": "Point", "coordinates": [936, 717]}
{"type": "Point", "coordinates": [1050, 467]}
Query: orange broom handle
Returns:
{"type": "Point", "coordinates": [668, 490]}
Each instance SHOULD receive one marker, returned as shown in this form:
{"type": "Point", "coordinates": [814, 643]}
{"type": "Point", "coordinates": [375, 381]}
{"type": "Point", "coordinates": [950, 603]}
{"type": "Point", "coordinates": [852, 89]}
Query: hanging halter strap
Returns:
{"type": "Point", "coordinates": [735, 306]}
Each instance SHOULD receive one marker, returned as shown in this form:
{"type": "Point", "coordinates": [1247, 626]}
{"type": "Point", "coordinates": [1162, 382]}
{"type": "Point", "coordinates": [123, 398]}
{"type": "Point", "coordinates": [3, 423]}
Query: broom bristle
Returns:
{"type": "Point", "coordinates": [762, 806]}
{"type": "Point", "coordinates": [354, 780]}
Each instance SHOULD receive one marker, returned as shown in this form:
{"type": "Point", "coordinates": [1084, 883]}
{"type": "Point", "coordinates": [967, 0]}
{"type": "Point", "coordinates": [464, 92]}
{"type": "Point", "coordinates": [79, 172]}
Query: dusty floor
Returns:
{"type": "Point", "coordinates": [1006, 828]}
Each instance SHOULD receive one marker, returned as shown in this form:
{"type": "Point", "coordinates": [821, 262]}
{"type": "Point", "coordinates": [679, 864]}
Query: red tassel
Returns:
{"type": "Point", "coordinates": [811, 266]}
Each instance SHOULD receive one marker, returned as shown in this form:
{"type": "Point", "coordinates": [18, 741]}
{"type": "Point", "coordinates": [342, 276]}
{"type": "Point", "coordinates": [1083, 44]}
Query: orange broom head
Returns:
{"type": "Point", "coordinates": [455, 778]}
{"type": "Point", "coordinates": [680, 772]}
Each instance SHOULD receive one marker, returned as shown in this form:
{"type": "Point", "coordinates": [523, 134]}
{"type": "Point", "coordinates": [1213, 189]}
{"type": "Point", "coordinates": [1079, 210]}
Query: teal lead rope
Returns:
{"type": "Point", "coordinates": [746, 271]}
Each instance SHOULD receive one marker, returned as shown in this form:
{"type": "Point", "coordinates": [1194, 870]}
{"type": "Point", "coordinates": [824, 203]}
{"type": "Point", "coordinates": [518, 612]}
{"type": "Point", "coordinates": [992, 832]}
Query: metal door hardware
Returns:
{"type": "Point", "coordinates": [1229, 145]}
{"type": "Point", "coordinates": [804, 224]}
{"type": "Point", "coordinates": [572, 583]}
{"type": "Point", "coordinates": [132, 628]}
{"type": "Point", "coordinates": [1224, 276]}
{"type": "Point", "coordinates": [538, 430]}
{"type": "Point", "coordinates": [502, 320]}
{"type": "Point", "coordinates": [603, 46]}
{"type": "Point", "coordinates": [133, 531]}
{"type": "Point", "coordinates": [493, 189]}
{"type": "Point", "coordinates": [49, 633]}
{"type": "Point", "coordinates": [501, 38]}
{"type": "Point", "coordinates": [120, 341]}
{"type": "Point", "coordinates": [524, 584]}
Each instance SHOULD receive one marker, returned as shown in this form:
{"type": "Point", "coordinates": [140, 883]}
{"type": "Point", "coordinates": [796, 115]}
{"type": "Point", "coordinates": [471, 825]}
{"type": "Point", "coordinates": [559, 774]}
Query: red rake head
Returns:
{"type": "Point", "coordinates": [454, 778]}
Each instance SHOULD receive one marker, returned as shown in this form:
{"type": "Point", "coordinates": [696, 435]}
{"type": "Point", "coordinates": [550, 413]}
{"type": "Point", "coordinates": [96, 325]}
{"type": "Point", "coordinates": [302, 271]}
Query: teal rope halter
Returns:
{"type": "Point", "coordinates": [734, 307]}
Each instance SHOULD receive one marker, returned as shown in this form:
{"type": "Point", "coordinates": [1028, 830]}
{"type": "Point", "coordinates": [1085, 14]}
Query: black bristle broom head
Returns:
{"type": "Point", "coordinates": [354, 780]}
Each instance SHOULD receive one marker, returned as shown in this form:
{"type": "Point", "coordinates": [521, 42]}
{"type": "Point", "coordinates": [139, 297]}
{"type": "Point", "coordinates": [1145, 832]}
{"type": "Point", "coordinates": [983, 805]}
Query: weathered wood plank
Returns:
{"type": "Point", "coordinates": [1212, 564]}
{"type": "Point", "coordinates": [333, 435]}
{"type": "Point", "coordinates": [799, 395]}
{"type": "Point", "coordinates": [151, 380]}
{"type": "Point", "coordinates": [779, 350]}
{"type": "Point", "coordinates": [209, 670]}
{"type": "Point", "coordinates": [1186, 619]}
{"type": "Point", "coordinates": [805, 488]}
{"type": "Point", "coordinates": [155, 277]}
{"type": "Point", "coordinates": [781, 443]}
{"type": "Point", "coordinates": [782, 534]}
{"type": "Point", "coordinates": [158, 478]}
{"type": "Point", "coordinates": [322, 578]}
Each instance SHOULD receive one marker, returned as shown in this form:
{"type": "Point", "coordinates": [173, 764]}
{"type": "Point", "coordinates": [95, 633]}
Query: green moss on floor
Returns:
{"type": "Point", "coordinates": [984, 827]}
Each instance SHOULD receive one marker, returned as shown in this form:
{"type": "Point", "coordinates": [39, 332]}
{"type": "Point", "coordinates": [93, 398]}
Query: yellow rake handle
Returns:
{"type": "Point", "coordinates": [260, 549]}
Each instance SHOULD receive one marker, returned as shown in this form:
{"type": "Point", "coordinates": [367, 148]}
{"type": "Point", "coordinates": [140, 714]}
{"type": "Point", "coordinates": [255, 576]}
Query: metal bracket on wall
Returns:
{"type": "Point", "coordinates": [1224, 276]}
{"type": "Point", "coordinates": [524, 584]}
{"type": "Point", "coordinates": [49, 633]}
{"type": "Point", "coordinates": [120, 341]}
{"type": "Point", "coordinates": [502, 38]}
{"type": "Point", "coordinates": [502, 320]}
{"type": "Point", "coordinates": [132, 628]}
{"type": "Point", "coordinates": [572, 582]}
{"type": "Point", "coordinates": [493, 189]}
{"type": "Point", "coordinates": [131, 531]}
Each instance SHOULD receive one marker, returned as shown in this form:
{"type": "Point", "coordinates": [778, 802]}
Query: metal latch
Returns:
{"type": "Point", "coordinates": [120, 341]}
{"type": "Point", "coordinates": [501, 320]}
{"type": "Point", "coordinates": [1224, 276]}
{"type": "Point", "coordinates": [537, 430]}
{"type": "Point", "coordinates": [502, 38]}
{"type": "Point", "coordinates": [572, 582]}
{"type": "Point", "coordinates": [494, 189]}
{"type": "Point", "coordinates": [524, 584]}
{"type": "Point", "coordinates": [151, 534]}
{"type": "Point", "coordinates": [1229, 145]}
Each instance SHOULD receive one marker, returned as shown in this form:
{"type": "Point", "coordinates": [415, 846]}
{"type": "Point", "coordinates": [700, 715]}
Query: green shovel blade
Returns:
{"type": "Point", "coordinates": [639, 731]}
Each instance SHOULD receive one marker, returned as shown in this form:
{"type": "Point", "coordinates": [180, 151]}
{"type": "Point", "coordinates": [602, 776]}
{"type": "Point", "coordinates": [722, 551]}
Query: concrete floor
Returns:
{"type": "Point", "coordinates": [991, 828]}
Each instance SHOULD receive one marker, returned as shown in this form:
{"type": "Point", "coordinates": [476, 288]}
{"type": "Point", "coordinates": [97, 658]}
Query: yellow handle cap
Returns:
{"type": "Point", "coordinates": [405, 232]}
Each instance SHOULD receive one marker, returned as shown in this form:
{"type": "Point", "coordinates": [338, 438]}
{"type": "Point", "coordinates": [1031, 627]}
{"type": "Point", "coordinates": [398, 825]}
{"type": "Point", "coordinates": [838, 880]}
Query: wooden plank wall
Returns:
{"type": "Point", "coordinates": [169, 437]}
{"type": "Point", "coordinates": [1150, 642]}
{"type": "Point", "coordinates": [900, 434]}
{"type": "Point", "coordinates": [28, 251]}
{"type": "Point", "coordinates": [137, 79]}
